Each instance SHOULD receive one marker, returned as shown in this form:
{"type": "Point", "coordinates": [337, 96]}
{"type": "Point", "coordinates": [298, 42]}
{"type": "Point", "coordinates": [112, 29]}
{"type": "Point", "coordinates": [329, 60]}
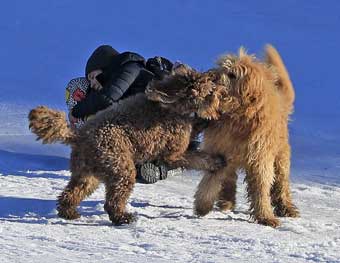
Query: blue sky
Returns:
{"type": "Point", "coordinates": [46, 43]}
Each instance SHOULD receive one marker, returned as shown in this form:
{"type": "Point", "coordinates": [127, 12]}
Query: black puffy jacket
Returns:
{"type": "Point", "coordinates": [123, 75]}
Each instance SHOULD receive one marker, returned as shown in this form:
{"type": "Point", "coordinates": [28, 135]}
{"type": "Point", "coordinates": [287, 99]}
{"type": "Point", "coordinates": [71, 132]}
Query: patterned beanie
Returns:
{"type": "Point", "coordinates": [76, 91]}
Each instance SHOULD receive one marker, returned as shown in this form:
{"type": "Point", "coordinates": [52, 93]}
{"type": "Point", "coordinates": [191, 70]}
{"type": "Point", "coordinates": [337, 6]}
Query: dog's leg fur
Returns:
{"type": "Point", "coordinates": [198, 160]}
{"type": "Point", "coordinates": [119, 183]}
{"type": "Point", "coordinates": [227, 195]}
{"type": "Point", "coordinates": [259, 178]}
{"type": "Point", "coordinates": [280, 193]}
{"type": "Point", "coordinates": [78, 188]}
{"type": "Point", "coordinates": [209, 189]}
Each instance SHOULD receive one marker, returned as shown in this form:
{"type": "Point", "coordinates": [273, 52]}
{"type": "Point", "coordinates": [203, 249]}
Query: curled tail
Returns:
{"type": "Point", "coordinates": [273, 58]}
{"type": "Point", "coordinates": [50, 126]}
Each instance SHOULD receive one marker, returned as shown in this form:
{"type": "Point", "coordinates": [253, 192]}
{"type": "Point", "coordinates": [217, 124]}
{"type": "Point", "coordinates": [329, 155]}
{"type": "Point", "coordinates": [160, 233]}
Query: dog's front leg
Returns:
{"type": "Point", "coordinates": [197, 160]}
{"type": "Point", "coordinates": [260, 177]}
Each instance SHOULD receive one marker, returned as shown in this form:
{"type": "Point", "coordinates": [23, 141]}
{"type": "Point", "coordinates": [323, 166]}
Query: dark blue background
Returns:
{"type": "Point", "coordinates": [46, 43]}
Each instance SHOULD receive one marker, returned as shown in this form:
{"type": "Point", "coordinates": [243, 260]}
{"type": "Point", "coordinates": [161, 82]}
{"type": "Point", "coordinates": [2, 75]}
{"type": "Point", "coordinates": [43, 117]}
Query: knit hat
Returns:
{"type": "Point", "coordinates": [100, 58]}
{"type": "Point", "coordinates": [76, 91]}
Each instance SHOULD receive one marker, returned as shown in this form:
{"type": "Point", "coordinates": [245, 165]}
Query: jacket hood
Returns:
{"type": "Point", "coordinates": [100, 58]}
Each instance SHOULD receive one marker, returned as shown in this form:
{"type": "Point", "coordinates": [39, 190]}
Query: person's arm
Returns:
{"type": "Point", "coordinates": [91, 104]}
{"type": "Point", "coordinates": [119, 82]}
{"type": "Point", "coordinates": [116, 85]}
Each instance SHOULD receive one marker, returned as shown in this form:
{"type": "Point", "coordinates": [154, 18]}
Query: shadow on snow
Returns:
{"type": "Point", "coordinates": [22, 164]}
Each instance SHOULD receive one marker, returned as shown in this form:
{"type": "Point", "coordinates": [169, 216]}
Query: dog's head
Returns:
{"type": "Point", "coordinates": [247, 81]}
{"type": "Point", "coordinates": [187, 91]}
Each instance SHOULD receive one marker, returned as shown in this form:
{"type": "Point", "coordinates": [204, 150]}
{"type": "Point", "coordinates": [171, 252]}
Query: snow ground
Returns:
{"type": "Point", "coordinates": [32, 175]}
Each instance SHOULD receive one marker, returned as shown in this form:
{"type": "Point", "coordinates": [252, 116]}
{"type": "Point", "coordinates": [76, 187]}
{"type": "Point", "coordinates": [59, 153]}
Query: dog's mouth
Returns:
{"type": "Point", "coordinates": [159, 96]}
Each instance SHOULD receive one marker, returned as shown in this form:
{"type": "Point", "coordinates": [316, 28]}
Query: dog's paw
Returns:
{"type": "Point", "coordinates": [286, 211]}
{"type": "Point", "coordinates": [218, 163]}
{"type": "Point", "coordinates": [225, 205]}
{"type": "Point", "coordinates": [124, 219]}
{"type": "Point", "coordinates": [202, 209]}
{"type": "Point", "coordinates": [273, 222]}
{"type": "Point", "coordinates": [69, 214]}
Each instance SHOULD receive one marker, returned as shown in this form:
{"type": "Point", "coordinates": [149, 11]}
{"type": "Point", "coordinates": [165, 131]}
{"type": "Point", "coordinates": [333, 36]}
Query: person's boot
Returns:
{"type": "Point", "coordinates": [150, 173]}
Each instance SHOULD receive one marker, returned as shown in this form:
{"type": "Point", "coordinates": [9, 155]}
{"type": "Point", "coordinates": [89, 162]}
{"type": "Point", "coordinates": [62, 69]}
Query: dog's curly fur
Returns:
{"type": "Point", "coordinates": [107, 148]}
{"type": "Point", "coordinates": [252, 134]}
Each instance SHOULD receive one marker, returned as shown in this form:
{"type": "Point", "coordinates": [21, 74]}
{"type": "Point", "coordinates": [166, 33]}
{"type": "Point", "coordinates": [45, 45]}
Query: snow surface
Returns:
{"type": "Point", "coordinates": [46, 43]}
{"type": "Point", "coordinates": [32, 175]}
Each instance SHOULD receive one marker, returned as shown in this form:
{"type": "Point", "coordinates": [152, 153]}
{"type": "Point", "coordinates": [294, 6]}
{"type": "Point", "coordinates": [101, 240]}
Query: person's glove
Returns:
{"type": "Point", "coordinates": [160, 66]}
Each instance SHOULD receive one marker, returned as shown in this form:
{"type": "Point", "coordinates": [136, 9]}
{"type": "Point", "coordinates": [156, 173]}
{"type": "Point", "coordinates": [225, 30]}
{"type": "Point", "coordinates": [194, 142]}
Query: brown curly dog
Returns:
{"type": "Point", "coordinates": [252, 134]}
{"type": "Point", "coordinates": [107, 148]}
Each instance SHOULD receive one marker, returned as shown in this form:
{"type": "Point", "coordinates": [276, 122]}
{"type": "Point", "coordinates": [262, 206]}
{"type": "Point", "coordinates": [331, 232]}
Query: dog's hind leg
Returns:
{"type": "Point", "coordinates": [78, 188]}
{"type": "Point", "coordinates": [259, 178]}
{"type": "Point", "coordinates": [227, 196]}
{"type": "Point", "coordinates": [208, 191]}
{"type": "Point", "coordinates": [119, 183]}
{"type": "Point", "coordinates": [280, 192]}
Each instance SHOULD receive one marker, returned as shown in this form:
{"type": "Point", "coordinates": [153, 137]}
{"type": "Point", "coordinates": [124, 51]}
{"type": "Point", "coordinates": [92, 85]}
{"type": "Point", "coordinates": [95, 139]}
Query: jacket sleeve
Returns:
{"type": "Point", "coordinates": [91, 104]}
{"type": "Point", "coordinates": [120, 81]}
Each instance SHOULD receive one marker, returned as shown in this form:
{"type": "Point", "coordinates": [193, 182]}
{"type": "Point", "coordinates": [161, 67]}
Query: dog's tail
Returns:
{"type": "Point", "coordinates": [285, 86]}
{"type": "Point", "coordinates": [50, 126]}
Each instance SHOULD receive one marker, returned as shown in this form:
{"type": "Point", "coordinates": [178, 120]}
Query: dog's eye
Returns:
{"type": "Point", "coordinates": [231, 75]}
